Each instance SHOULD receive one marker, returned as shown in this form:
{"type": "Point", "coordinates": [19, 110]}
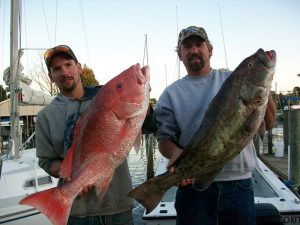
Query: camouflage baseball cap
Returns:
{"type": "Point", "coordinates": [191, 31]}
{"type": "Point", "coordinates": [55, 50]}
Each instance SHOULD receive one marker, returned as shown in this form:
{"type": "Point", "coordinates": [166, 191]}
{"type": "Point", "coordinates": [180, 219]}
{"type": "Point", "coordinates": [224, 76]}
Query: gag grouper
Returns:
{"type": "Point", "coordinates": [231, 121]}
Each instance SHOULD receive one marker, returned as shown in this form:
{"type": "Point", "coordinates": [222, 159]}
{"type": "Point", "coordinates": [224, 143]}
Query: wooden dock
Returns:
{"type": "Point", "coordinates": [279, 165]}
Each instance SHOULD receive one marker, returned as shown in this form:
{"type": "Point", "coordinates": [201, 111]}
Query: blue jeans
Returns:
{"type": "Point", "coordinates": [223, 203]}
{"type": "Point", "coordinates": [124, 218]}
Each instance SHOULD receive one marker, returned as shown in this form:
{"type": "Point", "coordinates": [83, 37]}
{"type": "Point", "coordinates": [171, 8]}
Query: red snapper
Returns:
{"type": "Point", "coordinates": [103, 137]}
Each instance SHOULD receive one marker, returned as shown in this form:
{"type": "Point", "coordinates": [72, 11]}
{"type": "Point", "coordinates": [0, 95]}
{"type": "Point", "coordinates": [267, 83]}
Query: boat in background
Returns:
{"type": "Point", "coordinates": [20, 174]}
{"type": "Point", "coordinates": [19, 178]}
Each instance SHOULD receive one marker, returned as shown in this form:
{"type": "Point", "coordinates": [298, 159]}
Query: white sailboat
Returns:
{"type": "Point", "coordinates": [19, 178]}
{"type": "Point", "coordinates": [20, 173]}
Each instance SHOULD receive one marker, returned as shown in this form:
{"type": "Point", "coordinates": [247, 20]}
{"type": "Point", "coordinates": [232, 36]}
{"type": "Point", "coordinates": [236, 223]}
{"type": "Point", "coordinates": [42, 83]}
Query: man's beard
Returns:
{"type": "Point", "coordinates": [71, 87]}
{"type": "Point", "coordinates": [197, 67]}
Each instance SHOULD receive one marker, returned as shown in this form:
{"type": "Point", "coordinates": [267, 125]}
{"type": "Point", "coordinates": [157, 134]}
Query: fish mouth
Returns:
{"type": "Point", "coordinates": [141, 74]}
{"type": "Point", "coordinates": [268, 58]}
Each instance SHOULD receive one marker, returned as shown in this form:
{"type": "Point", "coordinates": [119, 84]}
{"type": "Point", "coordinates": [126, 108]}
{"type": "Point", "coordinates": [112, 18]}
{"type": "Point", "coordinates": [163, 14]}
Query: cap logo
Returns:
{"type": "Point", "coordinates": [58, 49]}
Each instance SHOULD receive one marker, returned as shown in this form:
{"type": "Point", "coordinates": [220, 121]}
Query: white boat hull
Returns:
{"type": "Point", "coordinates": [19, 178]}
{"type": "Point", "coordinates": [269, 192]}
{"type": "Point", "coordinates": [26, 217]}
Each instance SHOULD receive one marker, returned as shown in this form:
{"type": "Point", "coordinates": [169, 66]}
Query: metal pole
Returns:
{"type": "Point", "coordinates": [14, 83]}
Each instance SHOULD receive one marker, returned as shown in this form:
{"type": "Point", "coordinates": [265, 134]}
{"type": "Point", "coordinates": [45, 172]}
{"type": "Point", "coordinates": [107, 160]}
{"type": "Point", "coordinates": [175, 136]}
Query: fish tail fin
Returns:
{"type": "Point", "coordinates": [149, 193]}
{"type": "Point", "coordinates": [51, 204]}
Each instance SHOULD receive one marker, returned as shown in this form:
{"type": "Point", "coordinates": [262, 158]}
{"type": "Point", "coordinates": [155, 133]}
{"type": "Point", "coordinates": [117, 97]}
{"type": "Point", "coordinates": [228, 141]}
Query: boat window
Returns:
{"type": "Point", "coordinates": [41, 181]}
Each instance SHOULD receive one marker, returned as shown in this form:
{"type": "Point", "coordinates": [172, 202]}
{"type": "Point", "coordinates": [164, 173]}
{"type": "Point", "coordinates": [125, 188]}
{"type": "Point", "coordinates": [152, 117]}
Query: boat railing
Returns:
{"type": "Point", "coordinates": [25, 144]}
{"type": "Point", "coordinates": [34, 165]}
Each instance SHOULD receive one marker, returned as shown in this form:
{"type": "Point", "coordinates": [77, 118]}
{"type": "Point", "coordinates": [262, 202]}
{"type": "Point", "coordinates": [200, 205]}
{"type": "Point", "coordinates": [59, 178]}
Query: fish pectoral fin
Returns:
{"type": "Point", "coordinates": [253, 122]}
{"type": "Point", "coordinates": [102, 185]}
{"type": "Point", "coordinates": [201, 185]}
{"type": "Point", "coordinates": [262, 130]}
{"type": "Point", "coordinates": [206, 180]}
{"type": "Point", "coordinates": [66, 168]}
{"type": "Point", "coordinates": [137, 142]}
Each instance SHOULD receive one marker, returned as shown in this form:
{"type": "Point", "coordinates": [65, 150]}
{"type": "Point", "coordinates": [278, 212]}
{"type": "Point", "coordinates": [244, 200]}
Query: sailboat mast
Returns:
{"type": "Point", "coordinates": [145, 51]}
{"type": "Point", "coordinates": [14, 83]}
{"type": "Point", "coordinates": [178, 61]}
{"type": "Point", "coordinates": [223, 36]}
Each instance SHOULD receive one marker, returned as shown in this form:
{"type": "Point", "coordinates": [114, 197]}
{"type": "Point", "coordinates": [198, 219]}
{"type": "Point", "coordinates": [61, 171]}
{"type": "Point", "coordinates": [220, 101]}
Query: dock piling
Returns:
{"type": "Point", "coordinates": [294, 141]}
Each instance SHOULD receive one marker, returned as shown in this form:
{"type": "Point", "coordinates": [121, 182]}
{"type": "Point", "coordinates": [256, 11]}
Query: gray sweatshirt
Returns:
{"type": "Point", "coordinates": [54, 135]}
{"type": "Point", "coordinates": [180, 111]}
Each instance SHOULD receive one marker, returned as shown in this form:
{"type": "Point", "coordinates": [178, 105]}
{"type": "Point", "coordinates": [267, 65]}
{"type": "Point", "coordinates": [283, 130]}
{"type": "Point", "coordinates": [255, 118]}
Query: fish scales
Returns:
{"type": "Point", "coordinates": [103, 137]}
{"type": "Point", "coordinates": [231, 121]}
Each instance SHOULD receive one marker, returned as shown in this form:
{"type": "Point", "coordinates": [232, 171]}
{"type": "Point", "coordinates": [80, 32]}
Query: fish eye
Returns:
{"type": "Point", "coordinates": [119, 85]}
{"type": "Point", "coordinates": [249, 65]}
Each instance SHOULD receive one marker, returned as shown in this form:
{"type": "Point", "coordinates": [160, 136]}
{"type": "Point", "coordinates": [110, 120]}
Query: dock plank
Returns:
{"type": "Point", "coordinates": [279, 165]}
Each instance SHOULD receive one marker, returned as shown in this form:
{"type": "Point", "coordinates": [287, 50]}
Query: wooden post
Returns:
{"type": "Point", "coordinates": [256, 144]}
{"type": "Point", "coordinates": [270, 142]}
{"type": "Point", "coordinates": [294, 127]}
{"type": "Point", "coordinates": [286, 130]}
{"type": "Point", "coordinates": [149, 152]}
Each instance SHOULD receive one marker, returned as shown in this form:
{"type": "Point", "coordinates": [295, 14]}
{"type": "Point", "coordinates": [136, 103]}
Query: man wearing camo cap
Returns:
{"type": "Point", "coordinates": [229, 199]}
